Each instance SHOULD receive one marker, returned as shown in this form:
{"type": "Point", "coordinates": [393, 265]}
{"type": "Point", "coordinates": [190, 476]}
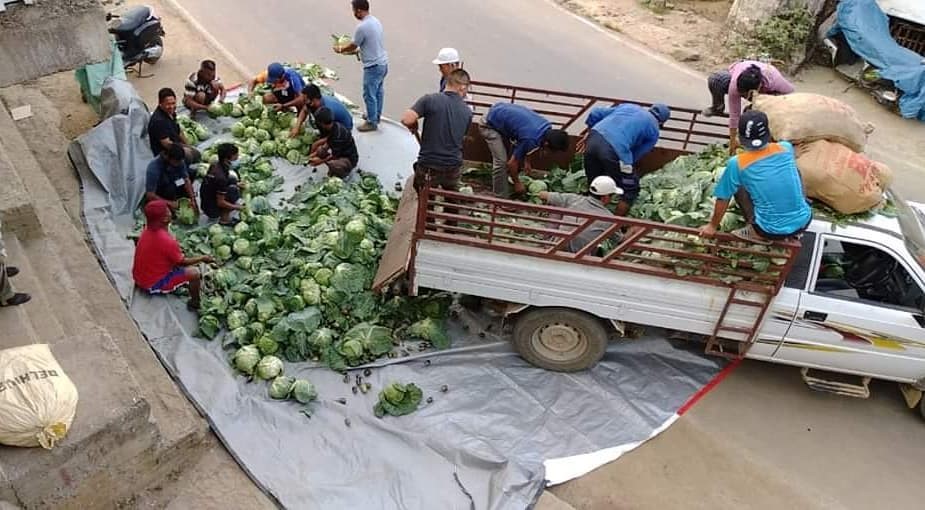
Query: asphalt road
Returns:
{"type": "Point", "coordinates": [761, 439]}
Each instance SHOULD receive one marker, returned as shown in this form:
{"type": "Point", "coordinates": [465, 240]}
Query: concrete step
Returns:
{"type": "Point", "coordinates": [133, 428]}
{"type": "Point", "coordinates": [46, 326]}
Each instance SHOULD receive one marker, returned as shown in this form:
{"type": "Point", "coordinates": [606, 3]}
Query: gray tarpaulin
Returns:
{"type": "Point", "coordinates": [482, 444]}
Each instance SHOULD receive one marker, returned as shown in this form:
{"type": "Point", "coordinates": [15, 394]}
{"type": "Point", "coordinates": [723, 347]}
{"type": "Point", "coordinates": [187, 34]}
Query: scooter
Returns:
{"type": "Point", "coordinates": [139, 36]}
{"type": "Point", "coordinates": [860, 73]}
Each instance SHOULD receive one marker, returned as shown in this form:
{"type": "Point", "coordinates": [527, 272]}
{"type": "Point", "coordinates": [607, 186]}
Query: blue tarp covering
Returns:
{"type": "Point", "coordinates": [867, 30]}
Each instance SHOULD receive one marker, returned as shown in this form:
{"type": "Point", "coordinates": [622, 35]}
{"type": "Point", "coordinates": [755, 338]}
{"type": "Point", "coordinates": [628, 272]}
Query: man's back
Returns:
{"type": "Point", "coordinates": [630, 129]}
{"type": "Point", "coordinates": [368, 37]}
{"type": "Point", "coordinates": [161, 126]}
{"type": "Point", "coordinates": [340, 112]}
{"type": "Point", "coordinates": [446, 121]}
{"type": "Point", "coordinates": [773, 182]}
{"type": "Point", "coordinates": [342, 144]}
{"type": "Point", "coordinates": [156, 254]}
{"type": "Point", "coordinates": [584, 204]}
{"type": "Point", "coordinates": [516, 122]}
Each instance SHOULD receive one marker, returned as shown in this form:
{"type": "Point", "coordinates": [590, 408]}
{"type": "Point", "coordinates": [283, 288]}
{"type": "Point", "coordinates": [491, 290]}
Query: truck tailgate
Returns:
{"type": "Point", "coordinates": [397, 254]}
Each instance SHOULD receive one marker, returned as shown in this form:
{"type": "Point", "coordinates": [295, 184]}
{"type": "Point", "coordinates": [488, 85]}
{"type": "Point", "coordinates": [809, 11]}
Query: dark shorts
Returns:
{"type": "Point", "coordinates": [171, 282]}
{"type": "Point", "coordinates": [781, 237]}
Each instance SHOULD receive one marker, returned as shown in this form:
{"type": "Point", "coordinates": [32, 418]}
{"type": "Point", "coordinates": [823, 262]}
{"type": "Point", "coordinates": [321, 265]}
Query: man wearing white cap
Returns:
{"type": "Point", "coordinates": [447, 60]}
{"type": "Point", "coordinates": [601, 192]}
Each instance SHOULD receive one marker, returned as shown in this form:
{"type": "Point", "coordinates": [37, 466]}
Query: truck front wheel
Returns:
{"type": "Point", "coordinates": [560, 339]}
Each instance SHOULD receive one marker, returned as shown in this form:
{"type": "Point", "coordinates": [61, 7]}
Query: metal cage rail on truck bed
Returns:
{"type": "Point", "coordinates": [752, 274]}
{"type": "Point", "coordinates": [687, 130]}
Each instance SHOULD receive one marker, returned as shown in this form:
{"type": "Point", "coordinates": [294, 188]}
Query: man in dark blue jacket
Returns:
{"type": "Point", "coordinates": [617, 138]}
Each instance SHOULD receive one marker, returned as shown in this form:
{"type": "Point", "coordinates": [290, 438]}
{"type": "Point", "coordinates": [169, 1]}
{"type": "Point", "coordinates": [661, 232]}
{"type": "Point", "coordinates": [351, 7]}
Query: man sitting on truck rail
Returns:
{"type": "Point", "coordinates": [527, 131]}
{"type": "Point", "coordinates": [601, 191]}
{"type": "Point", "coordinates": [617, 138]}
{"type": "Point", "coordinates": [446, 121]}
{"type": "Point", "coordinates": [766, 184]}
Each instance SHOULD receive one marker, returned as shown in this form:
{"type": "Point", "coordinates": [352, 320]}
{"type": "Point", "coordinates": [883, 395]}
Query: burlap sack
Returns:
{"type": "Point", "coordinates": [845, 180]}
{"type": "Point", "coordinates": [37, 399]}
{"type": "Point", "coordinates": [803, 118]}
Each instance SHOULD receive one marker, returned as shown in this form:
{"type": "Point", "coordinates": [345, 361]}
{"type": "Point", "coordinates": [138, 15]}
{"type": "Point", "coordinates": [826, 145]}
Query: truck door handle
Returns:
{"type": "Point", "coordinates": [815, 316]}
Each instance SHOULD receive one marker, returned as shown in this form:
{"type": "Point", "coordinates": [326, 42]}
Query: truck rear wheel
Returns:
{"type": "Point", "coordinates": [560, 339]}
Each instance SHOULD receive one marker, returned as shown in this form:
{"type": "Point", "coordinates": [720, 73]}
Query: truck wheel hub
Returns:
{"type": "Point", "coordinates": [559, 341]}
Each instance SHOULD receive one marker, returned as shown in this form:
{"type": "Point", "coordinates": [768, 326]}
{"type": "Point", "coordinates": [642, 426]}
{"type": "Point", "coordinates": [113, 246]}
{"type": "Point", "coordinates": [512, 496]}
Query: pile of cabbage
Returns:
{"type": "Point", "coordinates": [294, 281]}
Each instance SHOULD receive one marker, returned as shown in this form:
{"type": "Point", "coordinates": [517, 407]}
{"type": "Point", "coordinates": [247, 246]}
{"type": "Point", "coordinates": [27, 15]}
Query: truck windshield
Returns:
{"type": "Point", "coordinates": [912, 223]}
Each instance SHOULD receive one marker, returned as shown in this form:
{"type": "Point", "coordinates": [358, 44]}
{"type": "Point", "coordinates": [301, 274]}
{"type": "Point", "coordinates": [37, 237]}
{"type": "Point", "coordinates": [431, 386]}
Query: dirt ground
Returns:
{"type": "Point", "coordinates": [692, 31]}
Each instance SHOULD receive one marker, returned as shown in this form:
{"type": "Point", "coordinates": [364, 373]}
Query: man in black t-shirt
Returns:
{"type": "Point", "coordinates": [219, 191]}
{"type": "Point", "coordinates": [163, 129]}
{"type": "Point", "coordinates": [336, 148]}
{"type": "Point", "coordinates": [446, 121]}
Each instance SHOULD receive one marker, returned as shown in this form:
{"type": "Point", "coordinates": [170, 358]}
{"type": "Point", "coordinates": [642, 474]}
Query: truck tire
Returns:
{"type": "Point", "coordinates": [560, 339]}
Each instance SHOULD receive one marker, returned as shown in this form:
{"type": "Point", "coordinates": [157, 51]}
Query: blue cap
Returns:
{"type": "Point", "coordinates": [661, 112]}
{"type": "Point", "coordinates": [275, 72]}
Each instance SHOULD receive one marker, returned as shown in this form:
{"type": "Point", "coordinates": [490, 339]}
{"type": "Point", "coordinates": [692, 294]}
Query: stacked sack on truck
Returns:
{"type": "Point", "coordinates": [829, 138]}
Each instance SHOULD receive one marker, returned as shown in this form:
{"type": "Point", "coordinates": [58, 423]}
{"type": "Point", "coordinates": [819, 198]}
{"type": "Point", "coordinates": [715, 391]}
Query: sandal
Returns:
{"type": "Point", "coordinates": [11, 271]}
{"type": "Point", "coordinates": [17, 299]}
{"type": "Point", "coordinates": [747, 233]}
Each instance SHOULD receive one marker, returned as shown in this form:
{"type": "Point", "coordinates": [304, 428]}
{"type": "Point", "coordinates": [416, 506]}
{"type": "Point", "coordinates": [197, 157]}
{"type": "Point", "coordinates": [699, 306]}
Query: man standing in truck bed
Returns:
{"type": "Point", "coordinates": [446, 120]}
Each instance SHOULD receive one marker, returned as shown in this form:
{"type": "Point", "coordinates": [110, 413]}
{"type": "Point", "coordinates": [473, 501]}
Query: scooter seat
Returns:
{"type": "Point", "coordinates": [132, 19]}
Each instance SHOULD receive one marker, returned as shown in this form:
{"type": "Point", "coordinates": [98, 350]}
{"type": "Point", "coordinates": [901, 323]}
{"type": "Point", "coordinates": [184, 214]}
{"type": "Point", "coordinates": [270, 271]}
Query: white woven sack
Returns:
{"type": "Point", "coordinates": [37, 399]}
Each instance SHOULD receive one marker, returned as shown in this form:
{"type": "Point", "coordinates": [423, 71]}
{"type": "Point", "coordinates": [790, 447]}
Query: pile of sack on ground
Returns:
{"type": "Point", "coordinates": [829, 138]}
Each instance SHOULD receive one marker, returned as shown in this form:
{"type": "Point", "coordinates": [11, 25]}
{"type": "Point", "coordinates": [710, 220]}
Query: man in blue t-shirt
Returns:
{"type": "Point", "coordinates": [527, 132]}
{"type": "Point", "coordinates": [314, 100]}
{"type": "Point", "coordinates": [367, 41]}
{"type": "Point", "coordinates": [617, 138]}
{"type": "Point", "coordinates": [766, 184]}
{"type": "Point", "coordinates": [167, 178]}
{"type": "Point", "coordinates": [286, 86]}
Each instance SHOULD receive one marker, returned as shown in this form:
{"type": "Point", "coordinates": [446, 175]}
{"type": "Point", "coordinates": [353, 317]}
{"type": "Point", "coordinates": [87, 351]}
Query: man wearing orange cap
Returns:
{"type": "Point", "coordinates": [160, 266]}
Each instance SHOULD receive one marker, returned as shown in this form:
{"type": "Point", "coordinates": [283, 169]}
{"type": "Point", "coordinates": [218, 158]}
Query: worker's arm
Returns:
{"type": "Point", "coordinates": [221, 90]}
{"type": "Point", "coordinates": [733, 140]}
{"type": "Point", "coordinates": [188, 185]}
{"type": "Point", "coordinates": [318, 144]}
{"type": "Point", "coordinates": [349, 49]}
{"type": "Point", "coordinates": [303, 116]}
{"type": "Point", "coordinates": [409, 119]}
{"type": "Point", "coordinates": [192, 261]}
{"type": "Point", "coordinates": [719, 210]}
{"type": "Point", "coordinates": [225, 204]}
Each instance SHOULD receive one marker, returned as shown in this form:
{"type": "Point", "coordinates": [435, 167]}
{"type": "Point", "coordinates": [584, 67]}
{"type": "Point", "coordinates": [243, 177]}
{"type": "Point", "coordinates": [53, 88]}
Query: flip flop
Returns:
{"type": "Point", "coordinates": [17, 299]}
{"type": "Point", "coordinates": [748, 233]}
{"type": "Point", "coordinates": [11, 271]}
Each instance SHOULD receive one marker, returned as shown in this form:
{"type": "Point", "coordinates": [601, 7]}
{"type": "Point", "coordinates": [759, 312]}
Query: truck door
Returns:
{"type": "Point", "coordinates": [861, 312]}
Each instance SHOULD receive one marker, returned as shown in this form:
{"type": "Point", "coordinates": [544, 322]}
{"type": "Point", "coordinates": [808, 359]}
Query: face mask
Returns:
{"type": "Point", "coordinates": [235, 164]}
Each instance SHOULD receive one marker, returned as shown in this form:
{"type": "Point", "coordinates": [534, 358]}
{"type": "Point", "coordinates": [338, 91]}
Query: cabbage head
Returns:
{"type": "Point", "coordinates": [241, 228]}
{"type": "Point", "coordinates": [250, 308]}
{"type": "Point", "coordinates": [295, 303]}
{"type": "Point", "coordinates": [293, 156]}
{"type": "Point", "coordinates": [246, 359]}
{"type": "Point", "coordinates": [269, 367]}
{"type": "Point", "coordinates": [209, 326]}
{"type": "Point", "coordinates": [356, 229]}
{"type": "Point", "coordinates": [259, 205]}
{"type": "Point", "coordinates": [280, 387]}
{"type": "Point", "coordinates": [431, 330]}
{"type": "Point", "coordinates": [323, 276]}
{"type": "Point", "coordinates": [311, 292]}
{"type": "Point", "coordinates": [185, 213]}
{"type": "Point", "coordinates": [268, 148]}
{"type": "Point", "coordinates": [332, 185]}
{"type": "Point", "coordinates": [536, 186]}
{"type": "Point", "coordinates": [398, 399]}
{"type": "Point", "coordinates": [293, 143]}
{"type": "Point", "coordinates": [241, 335]}
{"type": "Point", "coordinates": [261, 135]}
{"type": "Point", "coordinates": [245, 263]}
{"type": "Point", "coordinates": [237, 111]}
{"type": "Point", "coordinates": [237, 319]}
{"type": "Point", "coordinates": [304, 391]}
{"type": "Point", "coordinates": [352, 350]}
{"type": "Point", "coordinates": [250, 132]}
{"type": "Point", "coordinates": [267, 345]}
{"type": "Point", "coordinates": [241, 246]}
{"type": "Point", "coordinates": [223, 252]}
{"type": "Point", "coordinates": [267, 125]}
{"type": "Point", "coordinates": [238, 129]}
{"type": "Point", "coordinates": [215, 110]}
{"type": "Point", "coordinates": [320, 339]}
{"type": "Point", "coordinates": [201, 132]}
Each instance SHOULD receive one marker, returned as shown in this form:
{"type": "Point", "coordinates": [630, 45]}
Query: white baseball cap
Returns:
{"type": "Point", "coordinates": [604, 185]}
{"type": "Point", "coordinates": [447, 56]}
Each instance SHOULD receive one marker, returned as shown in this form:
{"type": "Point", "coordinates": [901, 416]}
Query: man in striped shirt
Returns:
{"type": "Point", "coordinates": [203, 87]}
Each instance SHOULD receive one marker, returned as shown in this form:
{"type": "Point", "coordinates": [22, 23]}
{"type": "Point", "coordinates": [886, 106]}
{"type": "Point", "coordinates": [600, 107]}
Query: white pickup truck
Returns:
{"type": "Point", "coordinates": [848, 300]}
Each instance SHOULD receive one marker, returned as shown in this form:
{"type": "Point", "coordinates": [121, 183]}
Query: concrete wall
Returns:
{"type": "Point", "coordinates": [50, 36]}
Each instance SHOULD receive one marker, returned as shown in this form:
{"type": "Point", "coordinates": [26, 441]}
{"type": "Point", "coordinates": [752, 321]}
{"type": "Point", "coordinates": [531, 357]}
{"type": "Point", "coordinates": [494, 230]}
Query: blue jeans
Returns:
{"type": "Point", "coordinates": [373, 91]}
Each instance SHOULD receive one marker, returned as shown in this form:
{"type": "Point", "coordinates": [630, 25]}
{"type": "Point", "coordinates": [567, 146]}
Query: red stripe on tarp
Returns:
{"type": "Point", "coordinates": [709, 386]}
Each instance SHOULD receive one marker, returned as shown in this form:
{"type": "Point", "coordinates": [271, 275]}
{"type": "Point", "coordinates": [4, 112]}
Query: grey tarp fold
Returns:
{"type": "Point", "coordinates": [480, 445]}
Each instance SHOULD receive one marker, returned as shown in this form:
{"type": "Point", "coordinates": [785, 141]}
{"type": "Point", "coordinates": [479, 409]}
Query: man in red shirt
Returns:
{"type": "Point", "coordinates": [160, 266]}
